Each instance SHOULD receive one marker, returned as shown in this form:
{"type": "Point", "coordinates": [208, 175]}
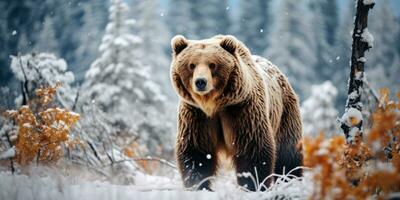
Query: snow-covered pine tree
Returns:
{"type": "Point", "coordinates": [46, 41]}
{"type": "Point", "coordinates": [155, 39]}
{"type": "Point", "coordinates": [93, 22]}
{"type": "Point", "coordinates": [254, 24]}
{"type": "Point", "coordinates": [179, 17]}
{"type": "Point", "coordinates": [292, 45]}
{"type": "Point", "coordinates": [382, 66]}
{"type": "Point", "coordinates": [318, 111]}
{"type": "Point", "coordinates": [324, 22]}
{"type": "Point", "coordinates": [5, 72]}
{"type": "Point", "coordinates": [343, 53]}
{"type": "Point", "coordinates": [120, 83]}
{"type": "Point", "coordinates": [211, 19]}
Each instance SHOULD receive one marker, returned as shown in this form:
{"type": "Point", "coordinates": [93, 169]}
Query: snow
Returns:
{"type": "Point", "coordinates": [368, 2]}
{"type": "Point", "coordinates": [52, 185]}
{"type": "Point", "coordinates": [353, 95]}
{"type": "Point", "coordinates": [9, 153]}
{"type": "Point", "coordinates": [351, 117]}
{"type": "Point", "coordinates": [362, 59]}
{"type": "Point", "coordinates": [208, 156]}
{"type": "Point", "coordinates": [367, 37]}
{"type": "Point", "coordinates": [14, 32]}
{"type": "Point", "coordinates": [359, 75]}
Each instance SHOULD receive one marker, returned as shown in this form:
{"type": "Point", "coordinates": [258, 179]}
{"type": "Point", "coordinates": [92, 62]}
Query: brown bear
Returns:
{"type": "Point", "coordinates": [234, 103]}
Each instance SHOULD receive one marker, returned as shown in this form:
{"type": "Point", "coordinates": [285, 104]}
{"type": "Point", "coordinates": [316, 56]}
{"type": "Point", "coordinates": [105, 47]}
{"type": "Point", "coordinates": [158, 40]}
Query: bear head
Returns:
{"type": "Point", "coordinates": [202, 71]}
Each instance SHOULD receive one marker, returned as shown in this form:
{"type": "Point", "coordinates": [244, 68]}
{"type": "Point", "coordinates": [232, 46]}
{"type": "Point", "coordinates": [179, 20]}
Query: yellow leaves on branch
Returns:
{"type": "Point", "coordinates": [369, 167]}
{"type": "Point", "coordinates": [41, 134]}
{"type": "Point", "coordinates": [46, 94]}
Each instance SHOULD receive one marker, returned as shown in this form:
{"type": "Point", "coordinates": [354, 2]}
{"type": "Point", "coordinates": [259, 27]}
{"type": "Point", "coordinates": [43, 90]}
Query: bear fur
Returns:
{"type": "Point", "coordinates": [248, 111]}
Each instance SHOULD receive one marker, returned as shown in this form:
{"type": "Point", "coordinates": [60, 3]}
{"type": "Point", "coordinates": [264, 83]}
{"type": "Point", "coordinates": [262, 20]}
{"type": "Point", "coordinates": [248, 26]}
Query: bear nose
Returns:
{"type": "Point", "coordinates": [201, 84]}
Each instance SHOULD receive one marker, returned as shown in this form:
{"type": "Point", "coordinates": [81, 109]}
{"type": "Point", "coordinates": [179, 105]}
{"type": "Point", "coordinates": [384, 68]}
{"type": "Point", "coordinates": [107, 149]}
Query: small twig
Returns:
{"type": "Point", "coordinates": [108, 155]}
{"type": "Point", "coordinates": [24, 85]}
{"type": "Point", "coordinates": [76, 98]}
{"type": "Point", "coordinates": [94, 151]}
{"type": "Point", "coordinates": [371, 90]}
{"type": "Point", "coordinates": [11, 159]}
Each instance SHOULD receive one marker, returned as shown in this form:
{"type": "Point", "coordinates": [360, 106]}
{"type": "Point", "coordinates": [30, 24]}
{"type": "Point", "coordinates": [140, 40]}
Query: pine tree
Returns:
{"type": "Point", "coordinates": [46, 41]}
{"type": "Point", "coordinates": [211, 20]}
{"type": "Point", "coordinates": [179, 16]}
{"type": "Point", "coordinates": [5, 73]}
{"type": "Point", "coordinates": [324, 21]}
{"type": "Point", "coordinates": [254, 24]}
{"type": "Point", "coordinates": [382, 66]}
{"type": "Point", "coordinates": [93, 22]}
{"type": "Point", "coordinates": [292, 45]}
{"type": "Point", "coordinates": [155, 39]}
{"type": "Point", "coordinates": [120, 83]}
{"type": "Point", "coordinates": [343, 53]}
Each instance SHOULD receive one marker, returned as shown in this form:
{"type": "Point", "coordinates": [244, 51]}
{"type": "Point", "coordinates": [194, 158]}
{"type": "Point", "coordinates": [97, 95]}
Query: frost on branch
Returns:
{"type": "Point", "coordinates": [43, 69]}
{"type": "Point", "coordinates": [367, 37]}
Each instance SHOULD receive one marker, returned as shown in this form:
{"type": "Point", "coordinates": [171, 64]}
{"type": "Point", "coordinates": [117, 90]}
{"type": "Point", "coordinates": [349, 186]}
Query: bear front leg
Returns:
{"type": "Point", "coordinates": [195, 167]}
{"type": "Point", "coordinates": [252, 170]}
{"type": "Point", "coordinates": [254, 145]}
{"type": "Point", "coordinates": [195, 148]}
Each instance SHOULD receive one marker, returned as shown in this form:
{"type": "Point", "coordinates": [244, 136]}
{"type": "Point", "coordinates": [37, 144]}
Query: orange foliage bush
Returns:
{"type": "Point", "coordinates": [135, 151]}
{"type": "Point", "coordinates": [42, 131]}
{"type": "Point", "coordinates": [369, 167]}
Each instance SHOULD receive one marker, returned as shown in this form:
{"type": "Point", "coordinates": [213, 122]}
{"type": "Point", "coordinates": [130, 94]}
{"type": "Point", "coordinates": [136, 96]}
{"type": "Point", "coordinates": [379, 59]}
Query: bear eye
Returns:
{"type": "Point", "coordinates": [211, 66]}
{"type": "Point", "coordinates": [192, 66]}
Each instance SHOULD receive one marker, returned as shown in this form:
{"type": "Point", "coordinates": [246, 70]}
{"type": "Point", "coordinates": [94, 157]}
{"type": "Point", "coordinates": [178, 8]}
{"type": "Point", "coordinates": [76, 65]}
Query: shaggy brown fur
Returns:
{"type": "Point", "coordinates": [251, 112]}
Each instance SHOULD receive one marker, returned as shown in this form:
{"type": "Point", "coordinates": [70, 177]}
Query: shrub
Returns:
{"type": "Point", "coordinates": [369, 167]}
{"type": "Point", "coordinates": [42, 130]}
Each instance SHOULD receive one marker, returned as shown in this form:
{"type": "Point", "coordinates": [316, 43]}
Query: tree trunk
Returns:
{"type": "Point", "coordinates": [351, 122]}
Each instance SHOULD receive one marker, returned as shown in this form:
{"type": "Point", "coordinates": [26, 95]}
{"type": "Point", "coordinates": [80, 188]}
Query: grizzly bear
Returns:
{"type": "Point", "coordinates": [234, 103]}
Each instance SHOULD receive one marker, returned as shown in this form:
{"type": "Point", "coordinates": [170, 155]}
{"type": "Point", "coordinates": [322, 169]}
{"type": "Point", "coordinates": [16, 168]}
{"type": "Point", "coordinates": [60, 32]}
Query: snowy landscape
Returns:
{"type": "Point", "coordinates": [88, 111]}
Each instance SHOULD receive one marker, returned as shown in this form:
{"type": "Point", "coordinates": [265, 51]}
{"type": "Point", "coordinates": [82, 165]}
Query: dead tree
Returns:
{"type": "Point", "coordinates": [351, 121]}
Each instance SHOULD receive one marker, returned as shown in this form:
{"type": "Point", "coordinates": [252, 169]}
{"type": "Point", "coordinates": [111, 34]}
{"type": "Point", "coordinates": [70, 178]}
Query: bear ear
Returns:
{"type": "Point", "coordinates": [178, 44]}
{"type": "Point", "coordinates": [229, 43]}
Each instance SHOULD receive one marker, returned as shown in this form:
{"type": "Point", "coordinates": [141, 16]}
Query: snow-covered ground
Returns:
{"type": "Point", "coordinates": [56, 186]}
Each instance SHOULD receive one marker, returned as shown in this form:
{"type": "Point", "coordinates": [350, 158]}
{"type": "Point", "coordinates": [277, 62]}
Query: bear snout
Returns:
{"type": "Point", "coordinates": [201, 84]}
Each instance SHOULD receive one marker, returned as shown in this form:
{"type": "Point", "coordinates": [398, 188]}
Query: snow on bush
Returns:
{"type": "Point", "coordinates": [43, 69]}
{"type": "Point", "coordinates": [318, 111]}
